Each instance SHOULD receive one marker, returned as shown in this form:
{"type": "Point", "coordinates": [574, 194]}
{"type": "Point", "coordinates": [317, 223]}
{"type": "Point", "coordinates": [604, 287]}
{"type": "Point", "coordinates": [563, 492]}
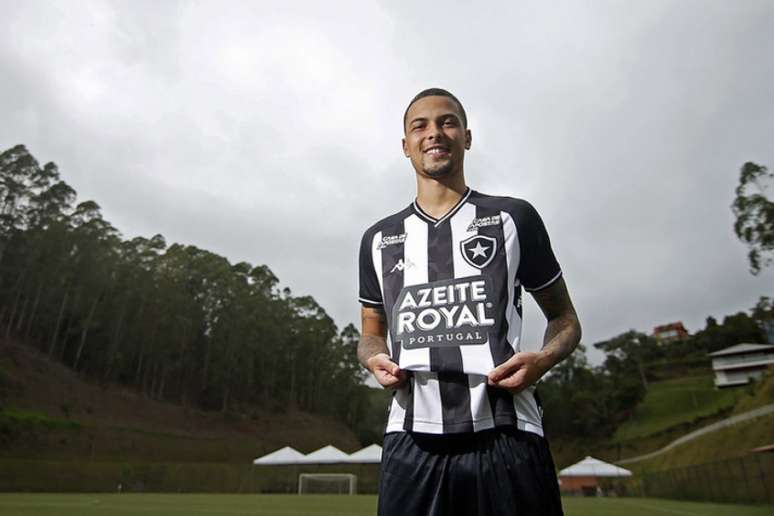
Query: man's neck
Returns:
{"type": "Point", "coordinates": [437, 196]}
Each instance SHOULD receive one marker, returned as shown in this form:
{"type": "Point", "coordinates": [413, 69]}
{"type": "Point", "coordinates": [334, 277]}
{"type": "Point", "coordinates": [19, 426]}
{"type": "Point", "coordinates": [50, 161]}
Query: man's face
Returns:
{"type": "Point", "coordinates": [435, 137]}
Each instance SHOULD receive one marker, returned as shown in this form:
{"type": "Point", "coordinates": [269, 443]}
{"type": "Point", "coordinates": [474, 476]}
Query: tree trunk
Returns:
{"type": "Point", "coordinates": [55, 335]}
{"type": "Point", "coordinates": [226, 392]}
{"type": "Point", "coordinates": [154, 379]}
{"type": "Point", "coordinates": [139, 365]}
{"type": "Point", "coordinates": [18, 288]}
{"type": "Point", "coordinates": [22, 315]}
{"type": "Point", "coordinates": [85, 331]}
{"type": "Point", "coordinates": [12, 318]}
{"type": "Point", "coordinates": [160, 394]}
{"type": "Point", "coordinates": [206, 366]}
{"type": "Point", "coordinates": [34, 312]}
{"type": "Point", "coordinates": [114, 342]}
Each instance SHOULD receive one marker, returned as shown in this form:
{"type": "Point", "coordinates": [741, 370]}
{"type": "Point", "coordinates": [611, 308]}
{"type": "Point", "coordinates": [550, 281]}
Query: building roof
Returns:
{"type": "Point", "coordinates": [286, 455]}
{"type": "Point", "coordinates": [368, 455]}
{"type": "Point", "coordinates": [326, 455]}
{"type": "Point", "coordinates": [591, 467]}
{"type": "Point", "coordinates": [741, 349]}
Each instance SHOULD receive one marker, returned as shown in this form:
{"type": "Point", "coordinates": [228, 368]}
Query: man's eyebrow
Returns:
{"type": "Point", "coordinates": [418, 119]}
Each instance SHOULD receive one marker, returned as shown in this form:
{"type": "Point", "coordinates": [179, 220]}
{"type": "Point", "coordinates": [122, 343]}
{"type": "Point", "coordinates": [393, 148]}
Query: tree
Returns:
{"type": "Point", "coordinates": [755, 215]}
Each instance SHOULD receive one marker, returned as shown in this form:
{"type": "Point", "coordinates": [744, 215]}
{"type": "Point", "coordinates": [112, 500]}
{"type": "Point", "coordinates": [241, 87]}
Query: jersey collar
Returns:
{"type": "Point", "coordinates": [437, 222]}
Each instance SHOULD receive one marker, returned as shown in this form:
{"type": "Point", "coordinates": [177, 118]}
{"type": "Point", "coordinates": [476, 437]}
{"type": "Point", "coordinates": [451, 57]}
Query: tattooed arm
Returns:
{"type": "Point", "coordinates": [563, 333]}
{"type": "Point", "coordinates": [372, 349]}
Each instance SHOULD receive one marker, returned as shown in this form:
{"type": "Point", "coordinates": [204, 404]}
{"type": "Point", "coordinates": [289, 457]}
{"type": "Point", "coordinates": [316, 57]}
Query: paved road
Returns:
{"type": "Point", "coordinates": [714, 427]}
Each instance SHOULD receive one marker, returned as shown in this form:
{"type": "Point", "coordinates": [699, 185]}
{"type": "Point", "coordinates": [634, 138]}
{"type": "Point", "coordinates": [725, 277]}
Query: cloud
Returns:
{"type": "Point", "coordinates": [271, 132]}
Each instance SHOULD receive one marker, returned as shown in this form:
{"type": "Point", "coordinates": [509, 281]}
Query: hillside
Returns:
{"type": "Point", "coordinates": [676, 402]}
{"type": "Point", "coordinates": [727, 443]}
{"type": "Point", "coordinates": [672, 408]}
{"type": "Point", "coordinates": [48, 412]}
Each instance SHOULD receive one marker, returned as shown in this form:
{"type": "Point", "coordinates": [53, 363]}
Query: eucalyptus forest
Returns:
{"type": "Point", "coordinates": [173, 321]}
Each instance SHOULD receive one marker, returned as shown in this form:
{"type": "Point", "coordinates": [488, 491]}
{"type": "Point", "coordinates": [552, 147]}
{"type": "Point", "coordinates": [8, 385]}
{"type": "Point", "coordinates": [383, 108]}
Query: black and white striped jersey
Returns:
{"type": "Point", "coordinates": [451, 290]}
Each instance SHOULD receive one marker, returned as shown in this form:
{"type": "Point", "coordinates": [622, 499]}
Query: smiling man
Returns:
{"type": "Point", "coordinates": [440, 288]}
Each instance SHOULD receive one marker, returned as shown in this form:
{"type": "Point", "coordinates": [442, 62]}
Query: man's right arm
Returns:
{"type": "Point", "coordinates": [372, 349]}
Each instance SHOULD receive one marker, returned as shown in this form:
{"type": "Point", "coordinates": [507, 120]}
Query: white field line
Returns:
{"type": "Point", "coordinates": [714, 427]}
{"type": "Point", "coordinates": [661, 509]}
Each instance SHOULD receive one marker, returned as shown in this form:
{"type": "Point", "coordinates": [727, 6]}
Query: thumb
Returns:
{"type": "Point", "coordinates": [393, 368]}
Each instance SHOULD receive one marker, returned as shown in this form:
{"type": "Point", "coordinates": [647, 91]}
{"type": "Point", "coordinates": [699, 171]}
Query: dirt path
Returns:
{"type": "Point", "coordinates": [746, 416]}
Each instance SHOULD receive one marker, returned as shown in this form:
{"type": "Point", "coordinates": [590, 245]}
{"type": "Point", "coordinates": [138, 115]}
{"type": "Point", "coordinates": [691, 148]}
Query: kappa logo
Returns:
{"type": "Point", "coordinates": [479, 250]}
{"type": "Point", "coordinates": [401, 265]}
{"type": "Point", "coordinates": [391, 240]}
{"type": "Point", "coordinates": [483, 222]}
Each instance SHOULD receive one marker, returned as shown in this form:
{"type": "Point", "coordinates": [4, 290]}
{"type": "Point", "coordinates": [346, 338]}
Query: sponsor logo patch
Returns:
{"type": "Point", "coordinates": [482, 222]}
{"type": "Point", "coordinates": [448, 313]}
{"type": "Point", "coordinates": [391, 240]}
{"type": "Point", "coordinates": [479, 250]}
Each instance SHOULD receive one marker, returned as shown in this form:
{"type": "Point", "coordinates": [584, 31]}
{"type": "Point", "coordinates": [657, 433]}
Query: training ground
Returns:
{"type": "Point", "coordinates": [130, 504]}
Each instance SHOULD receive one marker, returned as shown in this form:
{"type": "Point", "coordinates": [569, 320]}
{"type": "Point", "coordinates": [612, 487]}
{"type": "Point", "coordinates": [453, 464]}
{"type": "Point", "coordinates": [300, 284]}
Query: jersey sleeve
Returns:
{"type": "Point", "coordinates": [370, 294]}
{"type": "Point", "coordinates": [538, 267]}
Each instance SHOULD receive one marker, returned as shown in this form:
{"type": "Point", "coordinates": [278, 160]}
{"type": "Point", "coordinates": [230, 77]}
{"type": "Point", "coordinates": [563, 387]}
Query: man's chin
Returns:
{"type": "Point", "coordinates": [438, 172]}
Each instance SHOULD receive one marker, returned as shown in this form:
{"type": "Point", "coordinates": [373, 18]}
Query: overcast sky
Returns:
{"type": "Point", "coordinates": [270, 131]}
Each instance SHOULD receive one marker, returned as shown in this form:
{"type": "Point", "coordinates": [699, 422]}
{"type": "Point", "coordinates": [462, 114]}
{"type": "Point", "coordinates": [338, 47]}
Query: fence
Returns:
{"type": "Point", "coordinates": [69, 476]}
{"type": "Point", "coordinates": [748, 479]}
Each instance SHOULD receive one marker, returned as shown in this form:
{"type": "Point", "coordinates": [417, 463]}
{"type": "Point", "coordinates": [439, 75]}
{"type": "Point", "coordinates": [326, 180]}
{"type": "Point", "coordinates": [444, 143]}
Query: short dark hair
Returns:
{"type": "Point", "coordinates": [436, 92]}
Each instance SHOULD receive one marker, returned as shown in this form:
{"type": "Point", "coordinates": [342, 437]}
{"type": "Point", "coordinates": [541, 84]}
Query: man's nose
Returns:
{"type": "Point", "coordinates": [435, 131]}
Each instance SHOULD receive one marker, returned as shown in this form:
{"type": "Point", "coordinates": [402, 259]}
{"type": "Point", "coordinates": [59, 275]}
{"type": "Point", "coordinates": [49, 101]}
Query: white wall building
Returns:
{"type": "Point", "coordinates": [739, 364]}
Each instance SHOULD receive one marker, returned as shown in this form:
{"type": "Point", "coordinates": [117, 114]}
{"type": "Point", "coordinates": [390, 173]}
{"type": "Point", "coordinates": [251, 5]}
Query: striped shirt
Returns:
{"type": "Point", "coordinates": [451, 290]}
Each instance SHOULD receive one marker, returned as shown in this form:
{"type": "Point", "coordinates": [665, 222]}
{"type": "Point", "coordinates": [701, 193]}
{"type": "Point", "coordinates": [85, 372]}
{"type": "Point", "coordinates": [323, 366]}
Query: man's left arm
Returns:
{"type": "Point", "coordinates": [563, 333]}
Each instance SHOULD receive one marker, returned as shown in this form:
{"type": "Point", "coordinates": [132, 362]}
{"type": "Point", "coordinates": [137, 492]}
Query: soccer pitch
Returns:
{"type": "Point", "coordinates": [98, 504]}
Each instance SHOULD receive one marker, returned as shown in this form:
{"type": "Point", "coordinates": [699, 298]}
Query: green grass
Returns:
{"type": "Point", "coordinates": [28, 418]}
{"type": "Point", "coordinates": [292, 505]}
{"type": "Point", "coordinates": [680, 401]}
{"type": "Point", "coordinates": [756, 395]}
{"type": "Point", "coordinates": [726, 443]}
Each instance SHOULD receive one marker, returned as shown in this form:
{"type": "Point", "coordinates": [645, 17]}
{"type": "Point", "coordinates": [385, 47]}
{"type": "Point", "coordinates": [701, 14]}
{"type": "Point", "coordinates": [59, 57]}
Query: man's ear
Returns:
{"type": "Point", "coordinates": [405, 148]}
{"type": "Point", "coordinates": [468, 139]}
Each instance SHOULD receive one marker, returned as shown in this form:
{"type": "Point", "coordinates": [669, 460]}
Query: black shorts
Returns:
{"type": "Point", "coordinates": [498, 472]}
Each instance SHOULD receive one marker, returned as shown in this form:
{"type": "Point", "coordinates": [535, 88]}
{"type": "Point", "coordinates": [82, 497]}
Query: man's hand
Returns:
{"type": "Point", "coordinates": [562, 336]}
{"type": "Point", "coordinates": [386, 372]}
{"type": "Point", "coordinates": [372, 350]}
{"type": "Point", "coordinates": [519, 372]}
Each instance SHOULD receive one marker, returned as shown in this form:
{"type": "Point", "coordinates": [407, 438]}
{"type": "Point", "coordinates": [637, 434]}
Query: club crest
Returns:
{"type": "Point", "coordinates": [479, 250]}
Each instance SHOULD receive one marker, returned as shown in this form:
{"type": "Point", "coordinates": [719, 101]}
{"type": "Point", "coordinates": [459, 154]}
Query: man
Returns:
{"type": "Point", "coordinates": [444, 277]}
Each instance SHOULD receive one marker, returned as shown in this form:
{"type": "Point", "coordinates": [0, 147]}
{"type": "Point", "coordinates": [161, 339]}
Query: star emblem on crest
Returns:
{"type": "Point", "coordinates": [478, 250]}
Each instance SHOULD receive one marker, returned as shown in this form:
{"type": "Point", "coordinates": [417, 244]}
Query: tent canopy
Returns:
{"type": "Point", "coordinates": [286, 455]}
{"type": "Point", "coordinates": [326, 455]}
{"type": "Point", "coordinates": [368, 455]}
{"type": "Point", "coordinates": [591, 467]}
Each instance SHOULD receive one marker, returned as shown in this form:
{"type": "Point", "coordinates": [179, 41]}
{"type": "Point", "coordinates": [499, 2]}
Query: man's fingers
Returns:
{"type": "Point", "coordinates": [505, 369]}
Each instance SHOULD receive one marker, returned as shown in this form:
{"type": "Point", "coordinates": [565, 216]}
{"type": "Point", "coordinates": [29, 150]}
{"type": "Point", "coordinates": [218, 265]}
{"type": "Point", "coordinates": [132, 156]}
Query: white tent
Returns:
{"type": "Point", "coordinates": [327, 455]}
{"type": "Point", "coordinates": [591, 467]}
{"type": "Point", "coordinates": [368, 455]}
{"type": "Point", "coordinates": [286, 455]}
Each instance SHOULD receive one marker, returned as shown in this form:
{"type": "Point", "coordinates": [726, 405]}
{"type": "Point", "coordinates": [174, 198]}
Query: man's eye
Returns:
{"type": "Point", "coordinates": [449, 122]}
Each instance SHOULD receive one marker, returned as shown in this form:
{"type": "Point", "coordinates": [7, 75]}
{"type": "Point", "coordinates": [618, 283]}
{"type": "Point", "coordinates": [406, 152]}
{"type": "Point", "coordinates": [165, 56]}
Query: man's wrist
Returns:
{"type": "Point", "coordinates": [369, 361]}
{"type": "Point", "coordinates": [545, 360]}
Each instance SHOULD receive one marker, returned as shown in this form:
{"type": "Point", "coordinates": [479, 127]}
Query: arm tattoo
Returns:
{"type": "Point", "coordinates": [563, 331]}
{"type": "Point", "coordinates": [369, 346]}
{"type": "Point", "coordinates": [373, 339]}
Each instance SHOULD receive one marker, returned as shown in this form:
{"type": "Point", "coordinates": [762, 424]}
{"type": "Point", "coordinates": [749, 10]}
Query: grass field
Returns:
{"type": "Point", "coordinates": [99, 504]}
